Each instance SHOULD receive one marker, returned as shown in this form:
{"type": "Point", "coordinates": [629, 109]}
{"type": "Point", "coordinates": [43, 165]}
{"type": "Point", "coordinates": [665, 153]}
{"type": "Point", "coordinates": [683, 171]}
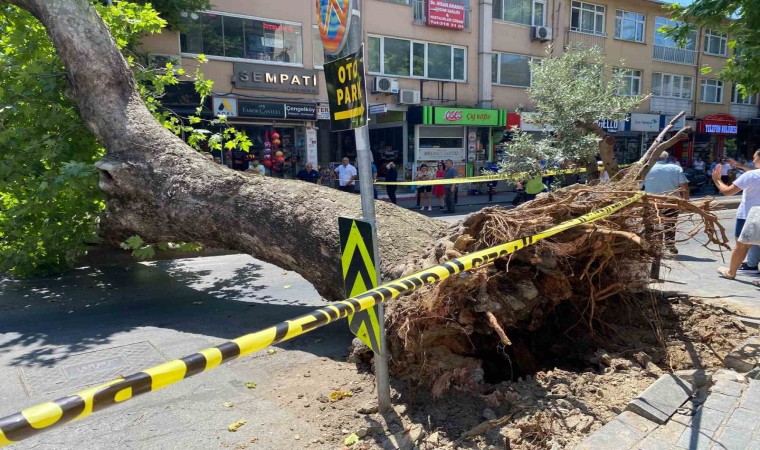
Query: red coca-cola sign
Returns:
{"type": "Point", "coordinates": [445, 14]}
{"type": "Point", "coordinates": [453, 115]}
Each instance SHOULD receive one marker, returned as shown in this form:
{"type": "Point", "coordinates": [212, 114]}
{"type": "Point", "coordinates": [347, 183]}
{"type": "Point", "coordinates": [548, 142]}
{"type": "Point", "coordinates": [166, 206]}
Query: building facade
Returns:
{"type": "Point", "coordinates": [446, 77]}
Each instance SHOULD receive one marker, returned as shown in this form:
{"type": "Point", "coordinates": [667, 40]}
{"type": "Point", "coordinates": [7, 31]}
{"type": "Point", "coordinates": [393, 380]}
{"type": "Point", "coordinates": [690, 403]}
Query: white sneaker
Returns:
{"type": "Point", "coordinates": [430, 208]}
{"type": "Point", "coordinates": [422, 208]}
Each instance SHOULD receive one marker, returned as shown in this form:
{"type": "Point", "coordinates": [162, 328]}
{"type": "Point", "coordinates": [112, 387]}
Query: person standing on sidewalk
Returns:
{"type": "Point", "coordinates": [451, 172]}
{"type": "Point", "coordinates": [424, 175]}
{"type": "Point", "coordinates": [668, 179]}
{"type": "Point", "coordinates": [346, 176]}
{"type": "Point", "coordinates": [391, 176]}
{"type": "Point", "coordinates": [749, 185]}
{"type": "Point", "coordinates": [753, 255]}
{"type": "Point", "coordinates": [439, 190]}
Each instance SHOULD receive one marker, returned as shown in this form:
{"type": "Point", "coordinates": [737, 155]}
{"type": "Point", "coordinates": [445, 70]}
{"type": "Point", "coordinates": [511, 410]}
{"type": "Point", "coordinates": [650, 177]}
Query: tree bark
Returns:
{"type": "Point", "coordinates": [654, 151]}
{"type": "Point", "coordinates": [163, 190]}
{"type": "Point", "coordinates": [606, 152]}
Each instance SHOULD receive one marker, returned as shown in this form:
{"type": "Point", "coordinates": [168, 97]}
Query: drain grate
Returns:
{"type": "Point", "coordinates": [86, 369]}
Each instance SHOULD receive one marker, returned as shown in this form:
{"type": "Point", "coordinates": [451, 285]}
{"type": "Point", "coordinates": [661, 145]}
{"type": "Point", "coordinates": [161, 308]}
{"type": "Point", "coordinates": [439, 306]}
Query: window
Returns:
{"type": "Point", "coordinates": [526, 12]}
{"type": "Point", "coordinates": [510, 70]}
{"type": "Point", "coordinates": [715, 43]}
{"type": "Point", "coordinates": [229, 36]}
{"type": "Point", "coordinates": [712, 91]}
{"type": "Point", "coordinates": [669, 85]}
{"type": "Point", "coordinates": [666, 41]}
{"type": "Point", "coordinates": [629, 26]}
{"type": "Point", "coordinates": [587, 18]}
{"type": "Point", "coordinates": [405, 58]}
{"type": "Point", "coordinates": [631, 81]}
{"type": "Point", "coordinates": [317, 49]}
{"type": "Point", "coordinates": [739, 99]}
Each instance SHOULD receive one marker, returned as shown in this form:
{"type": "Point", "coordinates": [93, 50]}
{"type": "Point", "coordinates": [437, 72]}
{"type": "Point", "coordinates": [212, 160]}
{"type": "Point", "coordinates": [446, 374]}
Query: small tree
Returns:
{"type": "Point", "coordinates": [571, 94]}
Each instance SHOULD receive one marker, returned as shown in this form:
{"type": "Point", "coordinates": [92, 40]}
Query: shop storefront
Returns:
{"type": "Point", "coordinates": [283, 135]}
{"type": "Point", "coordinates": [637, 133]}
{"type": "Point", "coordinates": [464, 135]}
{"type": "Point", "coordinates": [716, 137]}
{"type": "Point", "coordinates": [388, 139]}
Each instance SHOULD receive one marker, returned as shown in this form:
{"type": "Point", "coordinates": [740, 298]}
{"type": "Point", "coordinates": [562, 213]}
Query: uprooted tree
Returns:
{"type": "Point", "coordinates": [158, 187]}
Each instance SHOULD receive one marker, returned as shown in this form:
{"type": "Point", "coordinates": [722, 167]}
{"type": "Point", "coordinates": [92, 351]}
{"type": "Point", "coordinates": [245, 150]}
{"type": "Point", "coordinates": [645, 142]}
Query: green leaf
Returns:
{"type": "Point", "coordinates": [351, 439]}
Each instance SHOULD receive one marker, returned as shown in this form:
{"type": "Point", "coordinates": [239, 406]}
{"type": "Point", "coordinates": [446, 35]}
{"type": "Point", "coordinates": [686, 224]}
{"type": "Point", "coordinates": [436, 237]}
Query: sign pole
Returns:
{"type": "Point", "coordinates": [340, 25]}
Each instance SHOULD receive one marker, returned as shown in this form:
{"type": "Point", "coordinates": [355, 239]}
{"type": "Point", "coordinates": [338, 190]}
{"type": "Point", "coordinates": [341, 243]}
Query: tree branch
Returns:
{"type": "Point", "coordinates": [658, 146]}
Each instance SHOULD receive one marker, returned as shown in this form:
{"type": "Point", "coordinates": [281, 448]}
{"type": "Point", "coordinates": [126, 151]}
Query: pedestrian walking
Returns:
{"type": "Point", "coordinates": [668, 179]}
{"type": "Point", "coordinates": [391, 176]}
{"type": "Point", "coordinates": [749, 185]}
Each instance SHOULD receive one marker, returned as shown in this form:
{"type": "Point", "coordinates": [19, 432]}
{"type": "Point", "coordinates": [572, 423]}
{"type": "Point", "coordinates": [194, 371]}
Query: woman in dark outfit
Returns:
{"type": "Point", "coordinates": [391, 176]}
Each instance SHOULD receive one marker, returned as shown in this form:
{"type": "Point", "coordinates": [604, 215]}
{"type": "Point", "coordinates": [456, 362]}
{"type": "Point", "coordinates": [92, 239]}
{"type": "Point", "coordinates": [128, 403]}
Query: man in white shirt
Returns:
{"type": "Point", "coordinates": [346, 176]}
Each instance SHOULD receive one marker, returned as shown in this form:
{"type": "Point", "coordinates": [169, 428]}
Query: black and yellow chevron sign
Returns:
{"type": "Point", "coordinates": [359, 275]}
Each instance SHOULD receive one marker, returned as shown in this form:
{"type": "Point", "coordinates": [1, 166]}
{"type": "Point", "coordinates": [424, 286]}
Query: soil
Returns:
{"type": "Point", "coordinates": [584, 379]}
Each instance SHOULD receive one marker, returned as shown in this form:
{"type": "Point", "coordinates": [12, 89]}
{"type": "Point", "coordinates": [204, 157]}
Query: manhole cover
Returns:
{"type": "Point", "coordinates": [91, 368]}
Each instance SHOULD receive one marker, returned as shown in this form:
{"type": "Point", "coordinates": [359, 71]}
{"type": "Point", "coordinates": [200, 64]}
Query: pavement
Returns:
{"type": "Point", "coordinates": [60, 334]}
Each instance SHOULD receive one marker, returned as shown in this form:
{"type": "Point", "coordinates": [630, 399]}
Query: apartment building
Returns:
{"type": "Point", "coordinates": [447, 77]}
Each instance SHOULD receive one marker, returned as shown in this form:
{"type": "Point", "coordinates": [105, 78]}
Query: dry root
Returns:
{"type": "Point", "coordinates": [437, 334]}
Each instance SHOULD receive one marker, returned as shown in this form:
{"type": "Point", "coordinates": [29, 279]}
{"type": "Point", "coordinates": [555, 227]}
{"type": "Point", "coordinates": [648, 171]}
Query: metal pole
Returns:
{"type": "Point", "coordinates": [366, 188]}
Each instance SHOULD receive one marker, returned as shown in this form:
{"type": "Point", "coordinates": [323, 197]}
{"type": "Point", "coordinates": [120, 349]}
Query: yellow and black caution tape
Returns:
{"type": "Point", "coordinates": [36, 419]}
{"type": "Point", "coordinates": [485, 178]}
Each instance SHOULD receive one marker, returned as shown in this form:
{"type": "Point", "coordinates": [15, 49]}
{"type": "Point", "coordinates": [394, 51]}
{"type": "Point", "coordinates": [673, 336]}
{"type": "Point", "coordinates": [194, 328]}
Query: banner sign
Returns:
{"type": "Point", "coordinates": [719, 124]}
{"type": "Point", "coordinates": [439, 115]}
{"type": "Point", "coordinates": [268, 110]}
{"type": "Point", "coordinates": [334, 23]}
{"type": "Point", "coordinates": [346, 91]}
{"type": "Point", "coordinates": [445, 14]}
{"type": "Point", "coordinates": [225, 106]}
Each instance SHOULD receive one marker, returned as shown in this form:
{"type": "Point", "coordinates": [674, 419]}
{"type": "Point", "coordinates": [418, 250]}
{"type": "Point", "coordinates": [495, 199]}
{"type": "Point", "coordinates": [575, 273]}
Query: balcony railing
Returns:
{"type": "Point", "coordinates": [585, 41]}
{"type": "Point", "coordinates": [420, 12]}
{"type": "Point", "coordinates": [675, 55]}
{"type": "Point", "coordinates": [670, 105]}
{"type": "Point", "coordinates": [744, 112]}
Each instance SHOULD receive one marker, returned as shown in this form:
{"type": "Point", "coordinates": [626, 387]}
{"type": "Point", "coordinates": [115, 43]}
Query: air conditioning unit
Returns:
{"type": "Point", "coordinates": [385, 85]}
{"type": "Point", "coordinates": [409, 97]}
{"type": "Point", "coordinates": [542, 34]}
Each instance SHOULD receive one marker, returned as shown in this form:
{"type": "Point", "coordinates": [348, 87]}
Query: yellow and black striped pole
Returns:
{"type": "Point", "coordinates": [36, 419]}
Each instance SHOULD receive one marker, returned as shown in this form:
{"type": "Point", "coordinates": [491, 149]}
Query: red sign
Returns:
{"type": "Point", "coordinates": [719, 124]}
{"type": "Point", "coordinates": [445, 14]}
{"type": "Point", "coordinates": [513, 121]}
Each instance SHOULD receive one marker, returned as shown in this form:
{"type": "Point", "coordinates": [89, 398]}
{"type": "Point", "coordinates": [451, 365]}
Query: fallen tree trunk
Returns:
{"type": "Point", "coordinates": [163, 190]}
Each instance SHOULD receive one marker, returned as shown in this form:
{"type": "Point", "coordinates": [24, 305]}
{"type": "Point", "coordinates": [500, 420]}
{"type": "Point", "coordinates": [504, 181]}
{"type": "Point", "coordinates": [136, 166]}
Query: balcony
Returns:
{"type": "Point", "coordinates": [675, 55]}
{"type": "Point", "coordinates": [579, 40]}
{"type": "Point", "coordinates": [744, 112]}
{"type": "Point", "coordinates": [420, 12]}
{"type": "Point", "coordinates": [670, 105]}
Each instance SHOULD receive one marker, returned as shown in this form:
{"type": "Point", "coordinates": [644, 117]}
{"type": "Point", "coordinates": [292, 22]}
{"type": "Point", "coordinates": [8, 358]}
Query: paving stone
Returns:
{"type": "Point", "coordinates": [695, 439]}
{"type": "Point", "coordinates": [732, 438]}
{"type": "Point", "coordinates": [744, 419]}
{"type": "Point", "coordinates": [731, 388]}
{"type": "Point", "coordinates": [697, 377]}
{"type": "Point", "coordinates": [745, 356]}
{"type": "Point", "coordinates": [721, 402]}
{"type": "Point", "coordinates": [668, 433]}
{"type": "Point", "coordinates": [728, 375]}
{"type": "Point", "coordinates": [661, 400]}
{"type": "Point", "coordinates": [751, 398]}
{"type": "Point", "coordinates": [623, 432]}
{"type": "Point", "coordinates": [708, 419]}
{"type": "Point", "coordinates": [652, 443]}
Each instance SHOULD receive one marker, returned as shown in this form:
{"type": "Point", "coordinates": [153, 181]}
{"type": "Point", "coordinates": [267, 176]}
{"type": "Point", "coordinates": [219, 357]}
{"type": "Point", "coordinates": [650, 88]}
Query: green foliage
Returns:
{"type": "Point", "coordinates": [569, 93]}
{"type": "Point", "coordinates": [170, 10]}
{"type": "Point", "coordinates": [741, 20]}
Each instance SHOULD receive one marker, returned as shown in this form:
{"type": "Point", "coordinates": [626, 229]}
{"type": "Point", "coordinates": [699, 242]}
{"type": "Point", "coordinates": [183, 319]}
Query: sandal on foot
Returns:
{"type": "Point", "coordinates": [723, 272]}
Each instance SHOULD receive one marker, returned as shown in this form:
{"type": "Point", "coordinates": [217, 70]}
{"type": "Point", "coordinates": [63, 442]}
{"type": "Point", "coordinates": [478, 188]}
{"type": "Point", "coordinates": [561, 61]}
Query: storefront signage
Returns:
{"type": "Point", "coordinates": [311, 145]}
{"type": "Point", "coordinates": [445, 14]}
{"type": "Point", "coordinates": [645, 122]}
{"type": "Point", "coordinates": [346, 92]}
{"type": "Point", "coordinates": [378, 109]}
{"type": "Point", "coordinates": [264, 77]}
{"type": "Point", "coordinates": [390, 116]}
{"type": "Point", "coordinates": [334, 22]}
{"type": "Point", "coordinates": [276, 110]}
{"type": "Point", "coordinates": [225, 106]}
{"type": "Point", "coordinates": [610, 126]}
{"type": "Point", "coordinates": [441, 154]}
{"type": "Point", "coordinates": [719, 124]}
{"type": "Point", "coordinates": [527, 125]}
{"type": "Point", "coordinates": [438, 115]}
{"type": "Point", "coordinates": [323, 113]}
{"type": "Point", "coordinates": [680, 123]}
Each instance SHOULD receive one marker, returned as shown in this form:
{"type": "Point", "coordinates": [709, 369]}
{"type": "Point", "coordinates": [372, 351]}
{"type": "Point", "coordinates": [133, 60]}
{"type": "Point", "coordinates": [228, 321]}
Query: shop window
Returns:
{"type": "Point", "coordinates": [631, 81]}
{"type": "Point", "coordinates": [629, 26]}
{"type": "Point", "coordinates": [510, 70]}
{"type": "Point", "coordinates": [712, 91]}
{"type": "Point", "coordinates": [670, 85]}
{"type": "Point", "coordinates": [526, 12]}
{"type": "Point", "coordinates": [587, 18]}
{"type": "Point", "coordinates": [229, 36]}
{"type": "Point", "coordinates": [405, 58]}
{"type": "Point", "coordinates": [715, 43]}
{"type": "Point", "coordinates": [317, 49]}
